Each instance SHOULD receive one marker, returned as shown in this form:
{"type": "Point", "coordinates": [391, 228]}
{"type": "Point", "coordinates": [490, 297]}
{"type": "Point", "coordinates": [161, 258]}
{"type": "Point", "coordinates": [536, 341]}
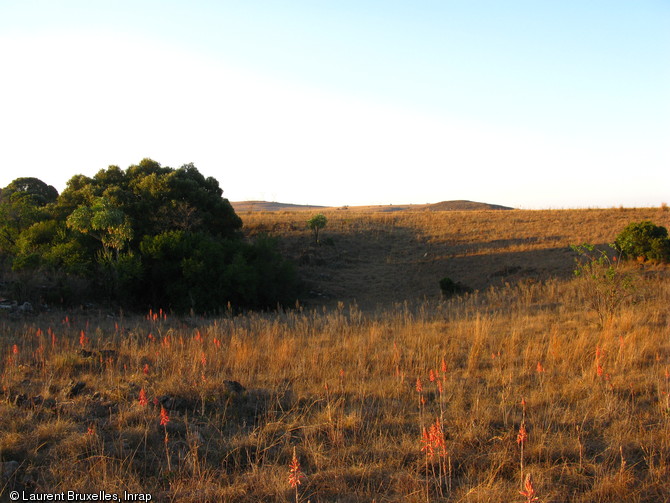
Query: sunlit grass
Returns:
{"type": "Point", "coordinates": [338, 386]}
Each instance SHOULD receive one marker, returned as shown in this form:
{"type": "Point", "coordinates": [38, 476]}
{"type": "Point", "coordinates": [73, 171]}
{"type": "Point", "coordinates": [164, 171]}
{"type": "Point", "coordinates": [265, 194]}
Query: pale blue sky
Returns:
{"type": "Point", "coordinates": [530, 104]}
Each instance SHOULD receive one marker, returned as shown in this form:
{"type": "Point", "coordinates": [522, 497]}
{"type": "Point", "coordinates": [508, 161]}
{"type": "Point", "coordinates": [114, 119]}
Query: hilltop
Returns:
{"type": "Point", "coordinates": [459, 205]}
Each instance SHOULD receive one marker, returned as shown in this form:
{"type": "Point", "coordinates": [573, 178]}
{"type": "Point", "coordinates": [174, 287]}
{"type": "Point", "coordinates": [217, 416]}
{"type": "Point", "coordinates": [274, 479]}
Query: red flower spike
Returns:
{"type": "Point", "coordinates": [165, 419]}
{"type": "Point", "coordinates": [419, 385]}
{"type": "Point", "coordinates": [529, 492]}
{"type": "Point", "coordinates": [522, 436]}
{"type": "Point", "coordinates": [295, 474]}
{"type": "Point", "coordinates": [143, 398]}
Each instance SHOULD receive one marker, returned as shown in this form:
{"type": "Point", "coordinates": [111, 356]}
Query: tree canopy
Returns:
{"type": "Point", "coordinates": [147, 236]}
{"type": "Point", "coordinates": [32, 190]}
{"type": "Point", "coordinates": [316, 223]}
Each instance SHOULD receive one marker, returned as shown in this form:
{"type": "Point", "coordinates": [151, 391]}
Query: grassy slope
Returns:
{"type": "Point", "coordinates": [339, 385]}
{"type": "Point", "coordinates": [377, 258]}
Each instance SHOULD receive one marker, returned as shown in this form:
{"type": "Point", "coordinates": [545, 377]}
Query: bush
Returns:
{"type": "Point", "coordinates": [644, 239]}
{"type": "Point", "coordinates": [450, 287]}
{"type": "Point", "coordinates": [185, 271]}
{"type": "Point", "coordinates": [606, 284]}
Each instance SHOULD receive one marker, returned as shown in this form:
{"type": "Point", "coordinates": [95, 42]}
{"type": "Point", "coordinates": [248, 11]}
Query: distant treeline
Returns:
{"type": "Point", "coordinates": [147, 236]}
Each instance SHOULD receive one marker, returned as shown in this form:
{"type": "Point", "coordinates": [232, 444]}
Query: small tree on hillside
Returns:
{"type": "Point", "coordinates": [316, 223]}
{"type": "Point", "coordinates": [606, 283]}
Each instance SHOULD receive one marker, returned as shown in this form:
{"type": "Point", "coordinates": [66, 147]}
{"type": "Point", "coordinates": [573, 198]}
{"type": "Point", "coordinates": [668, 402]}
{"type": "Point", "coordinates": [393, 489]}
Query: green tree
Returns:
{"type": "Point", "coordinates": [111, 227]}
{"type": "Point", "coordinates": [39, 193]}
{"type": "Point", "coordinates": [105, 222]}
{"type": "Point", "coordinates": [316, 223]}
{"type": "Point", "coordinates": [185, 271]}
{"type": "Point", "coordinates": [157, 199]}
{"type": "Point", "coordinates": [22, 203]}
{"type": "Point", "coordinates": [145, 236]}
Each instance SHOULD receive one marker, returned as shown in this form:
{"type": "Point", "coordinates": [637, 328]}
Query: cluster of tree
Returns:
{"type": "Point", "coordinates": [145, 236]}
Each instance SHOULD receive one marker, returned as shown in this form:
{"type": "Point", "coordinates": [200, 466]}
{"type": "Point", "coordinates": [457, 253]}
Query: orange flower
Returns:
{"type": "Point", "coordinates": [437, 437]}
{"type": "Point", "coordinates": [165, 419]}
{"type": "Point", "coordinates": [539, 368]}
{"type": "Point", "coordinates": [433, 439]}
{"type": "Point", "coordinates": [143, 398]}
{"type": "Point", "coordinates": [294, 473]}
{"type": "Point", "coordinates": [83, 339]}
{"type": "Point", "coordinates": [427, 443]}
{"type": "Point", "coordinates": [419, 385]}
{"type": "Point", "coordinates": [522, 436]}
{"type": "Point", "coordinates": [431, 375]}
{"type": "Point", "coordinates": [529, 492]}
{"type": "Point", "coordinates": [15, 349]}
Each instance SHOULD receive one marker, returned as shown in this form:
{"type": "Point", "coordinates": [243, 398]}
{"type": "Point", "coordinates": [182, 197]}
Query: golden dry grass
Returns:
{"type": "Point", "coordinates": [380, 257]}
{"type": "Point", "coordinates": [338, 383]}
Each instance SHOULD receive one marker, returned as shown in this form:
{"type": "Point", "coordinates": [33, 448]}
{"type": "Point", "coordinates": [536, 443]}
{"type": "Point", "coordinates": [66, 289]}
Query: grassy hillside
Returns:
{"type": "Point", "coordinates": [376, 258]}
{"type": "Point", "coordinates": [246, 206]}
{"type": "Point", "coordinates": [429, 400]}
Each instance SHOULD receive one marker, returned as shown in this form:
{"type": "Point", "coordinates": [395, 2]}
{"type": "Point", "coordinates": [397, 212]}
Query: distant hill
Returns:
{"type": "Point", "coordinates": [460, 205]}
{"type": "Point", "coordinates": [464, 205]}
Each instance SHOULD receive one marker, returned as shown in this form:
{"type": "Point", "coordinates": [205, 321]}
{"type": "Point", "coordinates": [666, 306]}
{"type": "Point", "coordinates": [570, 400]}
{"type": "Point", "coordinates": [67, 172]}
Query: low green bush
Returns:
{"type": "Point", "coordinates": [645, 240]}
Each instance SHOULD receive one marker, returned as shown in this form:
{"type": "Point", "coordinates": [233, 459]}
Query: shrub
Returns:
{"type": "Point", "coordinates": [450, 287]}
{"type": "Point", "coordinates": [605, 282]}
{"type": "Point", "coordinates": [644, 239]}
{"type": "Point", "coordinates": [185, 271]}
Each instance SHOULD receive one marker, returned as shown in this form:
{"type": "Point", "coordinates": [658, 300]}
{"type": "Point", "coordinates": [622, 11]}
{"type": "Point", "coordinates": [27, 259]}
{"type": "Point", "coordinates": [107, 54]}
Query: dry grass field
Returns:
{"type": "Point", "coordinates": [377, 256]}
{"type": "Point", "coordinates": [381, 389]}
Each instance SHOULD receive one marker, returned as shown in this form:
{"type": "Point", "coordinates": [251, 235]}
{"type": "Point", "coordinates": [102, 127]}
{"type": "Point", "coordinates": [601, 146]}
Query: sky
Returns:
{"type": "Point", "coordinates": [530, 104]}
